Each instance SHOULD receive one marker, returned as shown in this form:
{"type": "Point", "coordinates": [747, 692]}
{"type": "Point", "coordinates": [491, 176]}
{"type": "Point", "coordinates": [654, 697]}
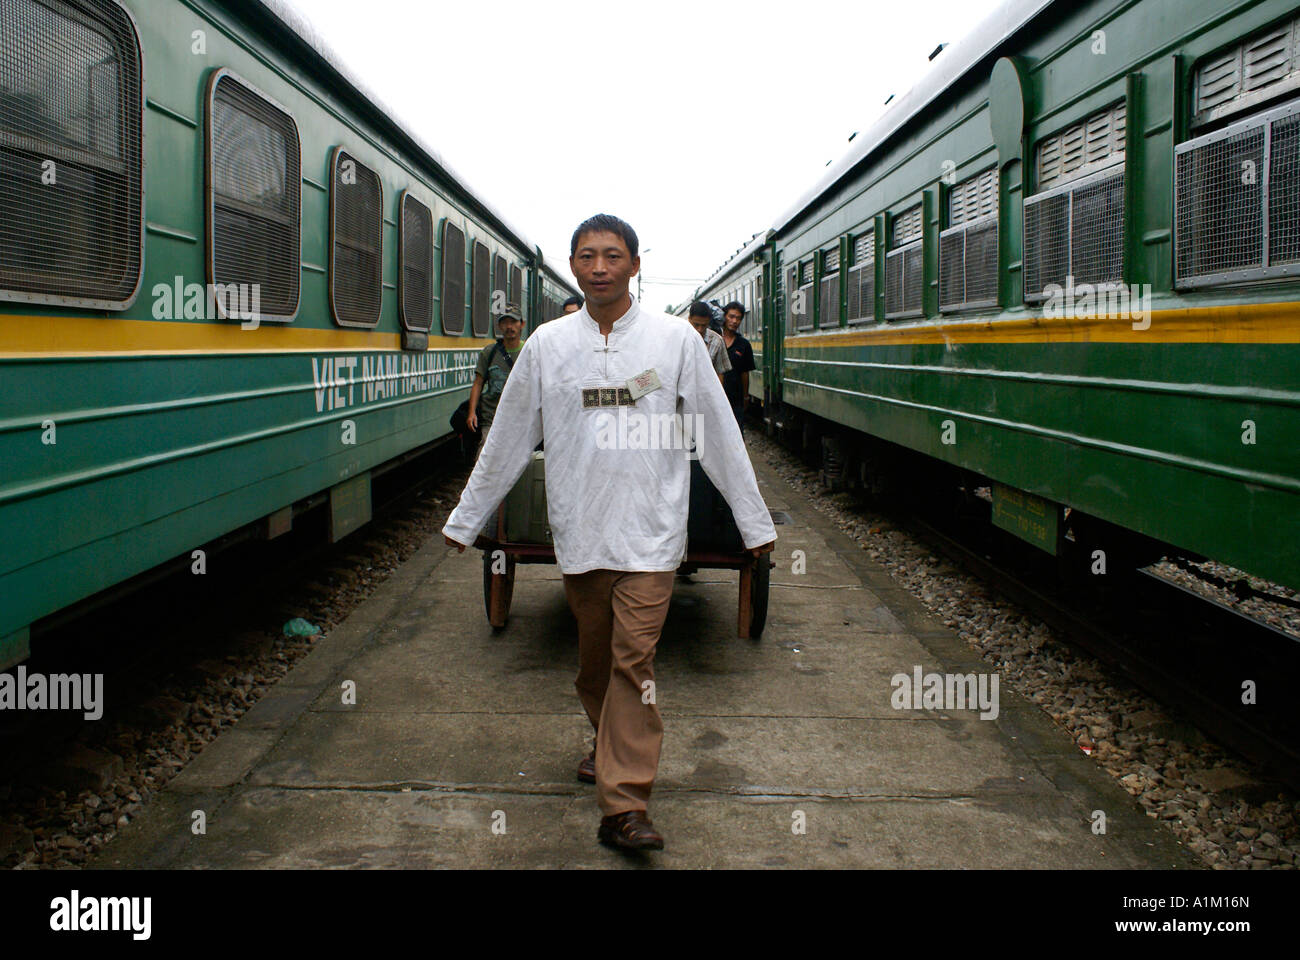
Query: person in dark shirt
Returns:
{"type": "Point", "coordinates": [735, 383]}
{"type": "Point", "coordinates": [494, 364]}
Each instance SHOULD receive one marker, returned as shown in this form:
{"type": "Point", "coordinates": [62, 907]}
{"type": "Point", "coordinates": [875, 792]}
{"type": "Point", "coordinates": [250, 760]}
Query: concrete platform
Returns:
{"type": "Point", "coordinates": [457, 728]}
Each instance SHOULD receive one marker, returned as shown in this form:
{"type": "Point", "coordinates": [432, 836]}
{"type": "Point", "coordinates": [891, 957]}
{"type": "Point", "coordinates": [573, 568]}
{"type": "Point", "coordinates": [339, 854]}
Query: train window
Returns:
{"type": "Point", "coordinates": [803, 298]}
{"type": "Point", "coordinates": [1074, 225]}
{"type": "Point", "coordinates": [517, 287]}
{"type": "Point", "coordinates": [500, 294]}
{"type": "Point", "coordinates": [453, 279]}
{"type": "Point", "coordinates": [790, 292]}
{"type": "Point", "coordinates": [71, 165]}
{"type": "Point", "coordinates": [254, 196]}
{"type": "Point", "coordinates": [861, 279]}
{"type": "Point", "coordinates": [1246, 75]}
{"type": "Point", "coordinates": [968, 249]}
{"type": "Point", "coordinates": [1237, 201]}
{"type": "Point", "coordinates": [416, 241]}
{"type": "Point", "coordinates": [829, 288]}
{"type": "Point", "coordinates": [356, 242]}
{"type": "Point", "coordinates": [481, 290]}
{"type": "Point", "coordinates": [905, 266]}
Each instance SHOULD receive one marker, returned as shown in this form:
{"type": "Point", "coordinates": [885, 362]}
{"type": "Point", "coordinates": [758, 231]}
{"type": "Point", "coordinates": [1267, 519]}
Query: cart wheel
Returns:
{"type": "Point", "coordinates": [758, 591]}
{"type": "Point", "coordinates": [498, 589]}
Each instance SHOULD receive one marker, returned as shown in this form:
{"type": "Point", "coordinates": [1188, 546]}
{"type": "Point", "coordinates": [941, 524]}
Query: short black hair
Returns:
{"type": "Point", "coordinates": [606, 223]}
{"type": "Point", "coordinates": [572, 302]}
{"type": "Point", "coordinates": [735, 305]}
{"type": "Point", "coordinates": [700, 309]}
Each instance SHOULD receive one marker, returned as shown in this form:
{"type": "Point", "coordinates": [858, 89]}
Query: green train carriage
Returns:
{"type": "Point", "coordinates": [950, 268]}
{"type": "Point", "coordinates": [161, 161]}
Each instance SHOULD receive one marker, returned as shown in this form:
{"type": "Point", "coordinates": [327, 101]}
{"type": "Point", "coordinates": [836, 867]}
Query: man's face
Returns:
{"type": "Point", "coordinates": [700, 324]}
{"type": "Point", "coordinates": [509, 327]}
{"type": "Point", "coordinates": [733, 319]}
{"type": "Point", "coordinates": [572, 308]}
{"type": "Point", "coordinates": [603, 267]}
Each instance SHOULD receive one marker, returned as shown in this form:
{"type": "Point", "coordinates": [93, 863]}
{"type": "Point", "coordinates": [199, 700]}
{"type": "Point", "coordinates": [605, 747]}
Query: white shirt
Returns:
{"type": "Point", "coordinates": [617, 499]}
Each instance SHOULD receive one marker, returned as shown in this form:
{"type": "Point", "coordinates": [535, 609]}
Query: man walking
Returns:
{"type": "Point", "coordinates": [617, 510]}
{"type": "Point", "coordinates": [495, 362]}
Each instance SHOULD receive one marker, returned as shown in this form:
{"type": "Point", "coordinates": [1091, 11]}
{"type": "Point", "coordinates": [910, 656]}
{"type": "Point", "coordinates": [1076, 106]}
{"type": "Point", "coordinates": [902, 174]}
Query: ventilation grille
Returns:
{"type": "Point", "coordinates": [1097, 231]}
{"type": "Point", "coordinates": [1082, 149]}
{"type": "Point", "coordinates": [480, 299]}
{"type": "Point", "coordinates": [907, 226]}
{"type": "Point", "coordinates": [806, 273]}
{"type": "Point", "coordinates": [517, 287]}
{"type": "Point", "coordinates": [417, 265]}
{"type": "Point", "coordinates": [1075, 233]}
{"type": "Point", "coordinates": [830, 301]}
{"type": "Point", "coordinates": [1284, 190]}
{"type": "Point", "coordinates": [968, 265]}
{"type": "Point", "coordinates": [861, 293]}
{"type": "Point", "coordinates": [1258, 69]}
{"type": "Point", "coordinates": [831, 260]}
{"type": "Point", "coordinates": [973, 198]}
{"type": "Point", "coordinates": [1047, 243]}
{"type": "Point", "coordinates": [70, 152]}
{"type": "Point", "coordinates": [904, 281]}
{"type": "Point", "coordinates": [1233, 188]}
{"type": "Point", "coordinates": [453, 279]}
{"type": "Point", "coordinates": [864, 248]}
{"type": "Point", "coordinates": [357, 275]}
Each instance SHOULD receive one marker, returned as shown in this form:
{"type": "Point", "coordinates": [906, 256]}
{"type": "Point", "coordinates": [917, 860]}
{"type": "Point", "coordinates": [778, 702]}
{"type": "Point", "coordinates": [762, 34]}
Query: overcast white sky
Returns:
{"type": "Point", "coordinates": [697, 122]}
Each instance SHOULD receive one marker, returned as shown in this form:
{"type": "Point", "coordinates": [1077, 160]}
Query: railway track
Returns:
{"type": "Point", "coordinates": [1191, 653]}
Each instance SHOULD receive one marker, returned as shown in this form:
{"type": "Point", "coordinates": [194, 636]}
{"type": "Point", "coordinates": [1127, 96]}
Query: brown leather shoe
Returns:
{"type": "Point", "coordinates": [630, 831]}
{"type": "Point", "coordinates": [587, 768]}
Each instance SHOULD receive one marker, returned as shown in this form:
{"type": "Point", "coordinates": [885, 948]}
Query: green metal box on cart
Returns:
{"type": "Point", "coordinates": [525, 505]}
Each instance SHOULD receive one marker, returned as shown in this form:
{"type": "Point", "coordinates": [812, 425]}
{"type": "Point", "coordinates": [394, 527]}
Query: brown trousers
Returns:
{"type": "Point", "coordinates": [620, 616]}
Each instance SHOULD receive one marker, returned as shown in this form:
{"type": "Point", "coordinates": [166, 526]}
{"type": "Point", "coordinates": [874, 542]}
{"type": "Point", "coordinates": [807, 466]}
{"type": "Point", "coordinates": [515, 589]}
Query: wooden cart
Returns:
{"type": "Point", "coordinates": [500, 558]}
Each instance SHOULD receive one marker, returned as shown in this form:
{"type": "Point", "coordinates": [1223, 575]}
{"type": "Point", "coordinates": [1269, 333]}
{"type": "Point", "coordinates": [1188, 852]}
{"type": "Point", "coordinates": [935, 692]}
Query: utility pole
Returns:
{"type": "Point", "coordinates": [638, 280]}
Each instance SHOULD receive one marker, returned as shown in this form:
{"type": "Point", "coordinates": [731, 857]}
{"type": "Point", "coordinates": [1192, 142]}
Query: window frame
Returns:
{"type": "Point", "coordinates": [810, 296]}
{"type": "Point", "coordinates": [442, 278]}
{"type": "Point", "coordinates": [405, 197]}
{"type": "Point", "coordinates": [338, 152]}
{"type": "Point", "coordinates": [900, 250]}
{"type": "Point", "coordinates": [964, 227]}
{"type": "Point", "coordinates": [210, 201]}
{"type": "Point", "coordinates": [474, 248]}
{"type": "Point", "coordinates": [1264, 119]}
{"type": "Point", "coordinates": [130, 111]}
{"type": "Point", "coordinates": [854, 265]}
{"type": "Point", "coordinates": [1114, 169]}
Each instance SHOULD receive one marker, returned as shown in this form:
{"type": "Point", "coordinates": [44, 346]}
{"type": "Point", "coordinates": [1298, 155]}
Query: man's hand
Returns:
{"type": "Point", "coordinates": [460, 547]}
{"type": "Point", "coordinates": [472, 421]}
{"type": "Point", "coordinates": [765, 548]}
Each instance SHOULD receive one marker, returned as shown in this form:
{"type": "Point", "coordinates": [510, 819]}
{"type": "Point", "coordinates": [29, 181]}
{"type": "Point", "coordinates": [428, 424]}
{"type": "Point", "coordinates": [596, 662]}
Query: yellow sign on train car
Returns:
{"type": "Point", "coordinates": [1030, 518]}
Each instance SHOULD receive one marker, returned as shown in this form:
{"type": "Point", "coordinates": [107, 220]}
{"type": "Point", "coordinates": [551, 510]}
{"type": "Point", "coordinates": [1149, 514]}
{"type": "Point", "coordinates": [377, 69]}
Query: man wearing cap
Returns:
{"type": "Point", "coordinates": [494, 365]}
{"type": "Point", "coordinates": [617, 508]}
